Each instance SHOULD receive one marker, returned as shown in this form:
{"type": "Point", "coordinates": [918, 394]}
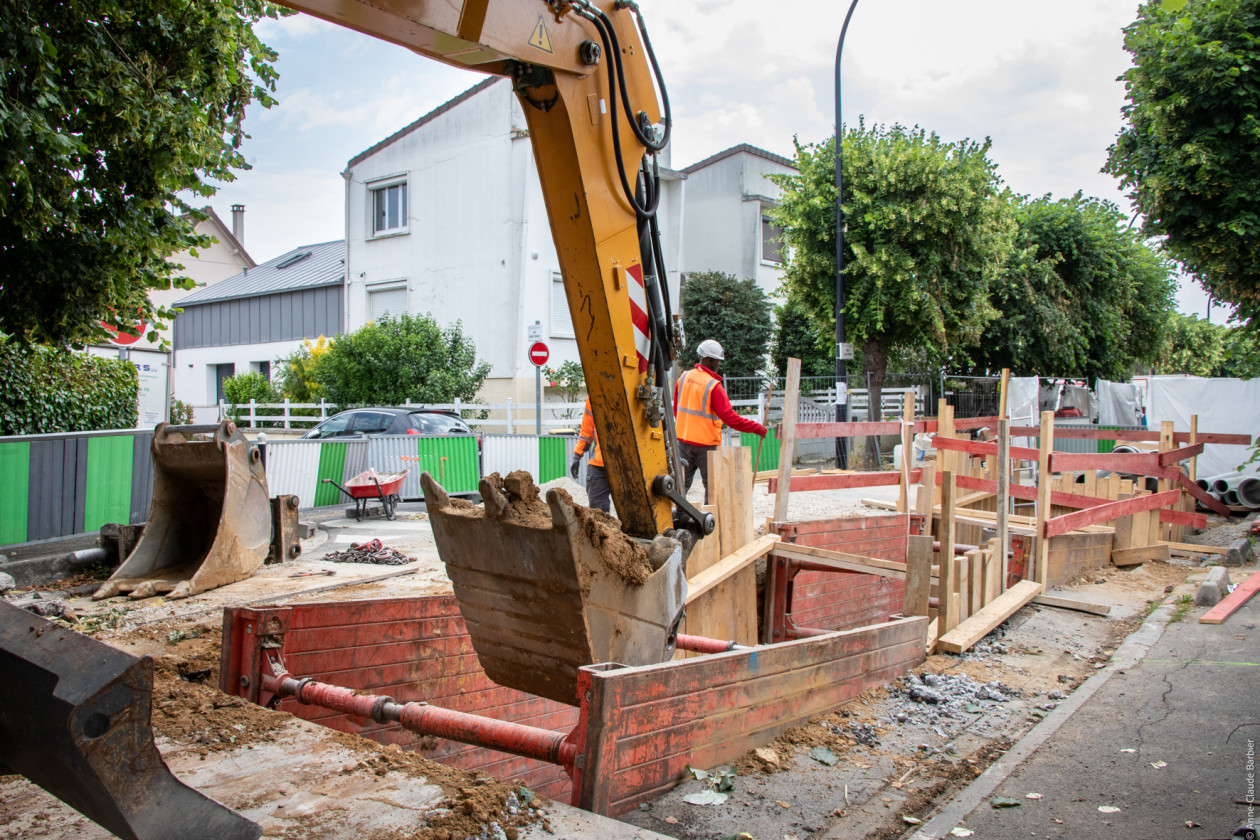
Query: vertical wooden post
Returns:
{"type": "Point", "coordinates": [1003, 493]}
{"type": "Point", "coordinates": [1006, 381]}
{"type": "Point", "coordinates": [787, 438]}
{"type": "Point", "coordinates": [995, 567]}
{"type": "Point", "coordinates": [918, 575]}
{"type": "Point", "coordinates": [927, 489]}
{"type": "Point", "coordinates": [946, 580]}
{"type": "Point", "coordinates": [1043, 497]}
{"type": "Point", "coordinates": [907, 449]}
{"type": "Point", "coordinates": [975, 580]}
{"type": "Point", "coordinates": [1165, 444]}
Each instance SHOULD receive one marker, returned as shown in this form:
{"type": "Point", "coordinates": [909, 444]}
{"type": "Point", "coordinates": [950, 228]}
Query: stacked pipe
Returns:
{"type": "Point", "coordinates": [1234, 489]}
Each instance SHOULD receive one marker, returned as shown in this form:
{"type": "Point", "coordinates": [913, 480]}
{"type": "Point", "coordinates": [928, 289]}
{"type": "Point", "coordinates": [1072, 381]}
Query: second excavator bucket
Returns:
{"type": "Point", "coordinates": [210, 520]}
{"type": "Point", "coordinates": [547, 588]}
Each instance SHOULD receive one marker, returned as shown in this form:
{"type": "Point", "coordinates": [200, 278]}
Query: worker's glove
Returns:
{"type": "Point", "coordinates": [575, 465]}
{"type": "Point", "coordinates": [761, 431]}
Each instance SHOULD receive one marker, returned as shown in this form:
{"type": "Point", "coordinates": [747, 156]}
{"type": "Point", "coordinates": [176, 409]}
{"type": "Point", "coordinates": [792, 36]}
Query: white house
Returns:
{"type": "Point", "coordinates": [447, 217]}
{"type": "Point", "coordinates": [262, 314]}
{"type": "Point", "coordinates": [725, 214]}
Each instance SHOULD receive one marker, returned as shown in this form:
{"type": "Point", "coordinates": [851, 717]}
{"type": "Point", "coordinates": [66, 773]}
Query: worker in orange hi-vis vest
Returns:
{"type": "Point", "coordinates": [701, 406]}
{"type": "Point", "coordinates": [597, 491]}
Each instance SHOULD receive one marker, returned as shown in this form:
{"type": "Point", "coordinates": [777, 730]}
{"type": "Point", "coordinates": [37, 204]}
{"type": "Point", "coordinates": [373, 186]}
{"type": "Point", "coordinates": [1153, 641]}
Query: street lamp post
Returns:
{"type": "Point", "coordinates": [842, 377]}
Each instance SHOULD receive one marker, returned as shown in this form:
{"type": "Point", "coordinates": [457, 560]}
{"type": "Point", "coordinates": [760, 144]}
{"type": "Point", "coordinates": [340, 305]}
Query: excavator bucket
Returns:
{"type": "Point", "coordinates": [547, 588]}
{"type": "Point", "coordinates": [75, 721]}
{"type": "Point", "coordinates": [210, 520]}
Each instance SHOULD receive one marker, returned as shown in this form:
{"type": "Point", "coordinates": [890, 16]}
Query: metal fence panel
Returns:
{"type": "Point", "coordinates": [293, 469]}
{"type": "Point", "coordinates": [506, 453]}
{"type": "Point", "coordinates": [451, 459]}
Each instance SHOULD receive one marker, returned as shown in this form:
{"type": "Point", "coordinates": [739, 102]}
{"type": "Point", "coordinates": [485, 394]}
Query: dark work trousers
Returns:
{"type": "Point", "coordinates": [695, 458]}
{"type": "Point", "coordinates": [598, 493]}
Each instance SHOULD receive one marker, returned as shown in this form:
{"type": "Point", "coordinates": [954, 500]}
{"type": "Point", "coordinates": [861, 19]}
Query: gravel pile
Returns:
{"type": "Point", "coordinates": [933, 697]}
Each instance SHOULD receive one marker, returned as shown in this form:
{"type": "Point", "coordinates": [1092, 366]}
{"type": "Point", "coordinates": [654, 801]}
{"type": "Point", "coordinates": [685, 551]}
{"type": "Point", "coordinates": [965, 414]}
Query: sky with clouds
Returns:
{"type": "Point", "coordinates": [1039, 79]}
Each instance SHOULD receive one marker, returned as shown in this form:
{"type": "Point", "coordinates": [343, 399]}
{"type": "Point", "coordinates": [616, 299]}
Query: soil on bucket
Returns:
{"type": "Point", "coordinates": [622, 555]}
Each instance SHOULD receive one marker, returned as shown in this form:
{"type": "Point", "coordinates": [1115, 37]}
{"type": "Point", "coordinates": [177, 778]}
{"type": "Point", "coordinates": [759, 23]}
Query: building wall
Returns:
{"type": "Point", "coordinates": [261, 319]}
{"type": "Point", "coordinates": [478, 246]}
{"type": "Point", "coordinates": [722, 218]}
{"type": "Point", "coordinates": [211, 265]}
{"type": "Point", "coordinates": [195, 368]}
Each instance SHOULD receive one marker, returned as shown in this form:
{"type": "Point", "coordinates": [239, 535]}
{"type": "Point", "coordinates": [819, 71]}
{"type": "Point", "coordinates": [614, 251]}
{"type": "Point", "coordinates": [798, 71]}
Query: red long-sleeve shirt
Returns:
{"type": "Point", "coordinates": [720, 404]}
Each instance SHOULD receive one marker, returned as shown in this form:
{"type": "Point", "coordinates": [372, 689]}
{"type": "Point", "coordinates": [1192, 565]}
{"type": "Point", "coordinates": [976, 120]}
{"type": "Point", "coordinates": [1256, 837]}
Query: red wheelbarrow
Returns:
{"type": "Point", "coordinates": [368, 485]}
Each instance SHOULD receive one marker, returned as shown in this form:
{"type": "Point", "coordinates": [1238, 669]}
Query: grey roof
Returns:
{"type": "Point", "coordinates": [743, 147]}
{"type": "Point", "coordinates": [306, 267]}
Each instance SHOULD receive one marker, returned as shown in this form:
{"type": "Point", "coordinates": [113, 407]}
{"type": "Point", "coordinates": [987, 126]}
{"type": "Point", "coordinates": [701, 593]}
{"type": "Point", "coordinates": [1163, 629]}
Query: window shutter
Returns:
{"type": "Point", "coordinates": [561, 321]}
{"type": "Point", "coordinates": [387, 302]}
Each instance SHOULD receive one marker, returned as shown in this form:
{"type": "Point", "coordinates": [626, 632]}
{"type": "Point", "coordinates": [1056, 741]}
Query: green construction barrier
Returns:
{"type": "Point", "coordinates": [107, 492]}
{"type": "Point", "coordinates": [15, 479]}
{"type": "Point", "coordinates": [769, 450]}
{"type": "Point", "coordinates": [452, 460]}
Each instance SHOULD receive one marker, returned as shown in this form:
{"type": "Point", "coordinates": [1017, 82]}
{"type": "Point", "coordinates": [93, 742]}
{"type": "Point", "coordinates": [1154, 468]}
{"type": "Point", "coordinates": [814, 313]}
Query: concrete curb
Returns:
{"type": "Point", "coordinates": [1127, 655]}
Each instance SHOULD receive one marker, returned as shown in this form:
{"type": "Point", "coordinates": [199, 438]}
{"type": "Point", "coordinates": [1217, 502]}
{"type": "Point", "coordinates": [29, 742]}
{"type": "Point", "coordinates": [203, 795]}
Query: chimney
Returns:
{"type": "Point", "coordinates": [238, 223]}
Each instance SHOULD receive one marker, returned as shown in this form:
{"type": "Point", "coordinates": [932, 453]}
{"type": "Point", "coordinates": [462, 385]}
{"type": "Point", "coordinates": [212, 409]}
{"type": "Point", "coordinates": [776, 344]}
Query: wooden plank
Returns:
{"type": "Point", "coordinates": [787, 438]}
{"type": "Point", "coordinates": [1003, 389]}
{"type": "Point", "coordinates": [706, 553]}
{"type": "Point", "coordinates": [949, 615]}
{"type": "Point", "coordinates": [1209, 501]}
{"type": "Point", "coordinates": [933, 631]}
{"type": "Point", "coordinates": [1141, 530]}
{"type": "Point", "coordinates": [1029, 493]}
{"type": "Point", "coordinates": [1123, 527]}
{"type": "Point", "coordinates": [1231, 602]}
{"type": "Point", "coordinates": [1132, 435]}
{"type": "Point", "coordinates": [979, 625]}
{"type": "Point", "coordinates": [736, 505]}
{"type": "Point", "coordinates": [1046, 445]}
{"type": "Point", "coordinates": [844, 481]}
{"type": "Point", "coordinates": [1111, 510]}
{"type": "Point", "coordinates": [918, 575]}
{"type": "Point", "coordinates": [1184, 518]}
{"type": "Point", "coordinates": [1143, 554]}
{"type": "Point", "coordinates": [979, 447]}
{"type": "Point", "coordinates": [1129, 463]}
{"type": "Point", "coordinates": [1072, 604]}
{"type": "Point", "coordinates": [1003, 502]}
{"type": "Point", "coordinates": [1161, 530]}
{"type": "Point", "coordinates": [728, 566]}
{"type": "Point", "coordinates": [806, 431]}
{"type": "Point", "coordinates": [1169, 457]}
{"type": "Point", "coordinates": [968, 423]}
{"type": "Point", "coordinates": [842, 561]}
{"type": "Point", "coordinates": [994, 571]}
{"type": "Point", "coordinates": [907, 451]}
{"type": "Point", "coordinates": [962, 591]}
{"type": "Point", "coordinates": [924, 504]}
{"type": "Point", "coordinates": [975, 580]}
{"type": "Point", "coordinates": [1197, 549]}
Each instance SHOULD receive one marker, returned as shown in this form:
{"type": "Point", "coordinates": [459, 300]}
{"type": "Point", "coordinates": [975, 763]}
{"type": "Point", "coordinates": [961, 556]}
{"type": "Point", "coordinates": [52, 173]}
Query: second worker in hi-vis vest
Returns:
{"type": "Point", "coordinates": [701, 406]}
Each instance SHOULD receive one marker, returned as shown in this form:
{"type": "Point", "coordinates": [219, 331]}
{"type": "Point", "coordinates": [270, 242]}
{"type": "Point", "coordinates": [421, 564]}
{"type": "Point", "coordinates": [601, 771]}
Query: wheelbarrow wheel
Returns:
{"type": "Point", "coordinates": [390, 503]}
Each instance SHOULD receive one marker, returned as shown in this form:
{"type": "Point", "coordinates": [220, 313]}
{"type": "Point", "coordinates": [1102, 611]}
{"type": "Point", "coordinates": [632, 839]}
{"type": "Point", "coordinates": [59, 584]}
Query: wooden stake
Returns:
{"type": "Point", "coordinates": [787, 438]}
{"type": "Point", "coordinates": [1045, 447]}
{"type": "Point", "coordinates": [1164, 532]}
{"type": "Point", "coordinates": [1004, 483]}
{"type": "Point", "coordinates": [948, 612]}
{"type": "Point", "coordinates": [918, 575]}
{"type": "Point", "coordinates": [907, 449]}
{"type": "Point", "coordinates": [1002, 391]}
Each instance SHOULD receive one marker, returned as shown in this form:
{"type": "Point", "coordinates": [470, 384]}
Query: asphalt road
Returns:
{"type": "Point", "coordinates": [1171, 743]}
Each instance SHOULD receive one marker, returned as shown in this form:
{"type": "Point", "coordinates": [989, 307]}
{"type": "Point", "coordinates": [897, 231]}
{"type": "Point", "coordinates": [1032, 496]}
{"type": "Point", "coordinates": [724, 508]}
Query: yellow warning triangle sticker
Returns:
{"type": "Point", "coordinates": [540, 38]}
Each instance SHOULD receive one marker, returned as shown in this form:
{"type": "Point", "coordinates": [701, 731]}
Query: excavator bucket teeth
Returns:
{"type": "Point", "coordinates": [75, 721]}
{"type": "Point", "coordinates": [210, 520]}
{"type": "Point", "coordinates": [547, 588]}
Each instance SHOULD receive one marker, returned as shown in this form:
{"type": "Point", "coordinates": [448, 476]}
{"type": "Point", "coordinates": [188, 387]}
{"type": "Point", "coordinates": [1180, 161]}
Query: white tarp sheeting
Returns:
{"type": "Point", "coordinates": [1118, 404]}
{"type": "Point", "coordinates": [1228, 406]}
{"type": "Point", "coordinates": [1021, 400]}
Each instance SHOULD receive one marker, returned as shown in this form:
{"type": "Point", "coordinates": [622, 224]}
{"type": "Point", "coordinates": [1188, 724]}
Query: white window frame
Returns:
{"type": "Point", "coordinates": [762, 219]}
{"type": "Point", "coordinates": [560, 329]}
{"type": "Point", "coordinates": [378, 185]}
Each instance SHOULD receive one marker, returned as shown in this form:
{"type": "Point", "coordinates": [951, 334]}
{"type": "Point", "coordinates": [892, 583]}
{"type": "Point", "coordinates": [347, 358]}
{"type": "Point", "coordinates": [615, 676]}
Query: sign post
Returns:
{"type": "Point", "coordinates": [538, 354]}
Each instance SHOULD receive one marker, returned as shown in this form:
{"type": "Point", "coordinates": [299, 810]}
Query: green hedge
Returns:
{"type": "Point", "coordinates": [45, 390]}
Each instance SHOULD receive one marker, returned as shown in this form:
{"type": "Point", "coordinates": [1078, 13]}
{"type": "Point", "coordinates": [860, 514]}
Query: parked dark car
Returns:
{"type": "Point", "coordinates": [389, 421]}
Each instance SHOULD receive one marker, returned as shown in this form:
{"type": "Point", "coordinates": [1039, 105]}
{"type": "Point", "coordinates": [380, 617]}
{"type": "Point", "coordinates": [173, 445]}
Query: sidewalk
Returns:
{"type": "Point", "coordinates": [1169, 740]}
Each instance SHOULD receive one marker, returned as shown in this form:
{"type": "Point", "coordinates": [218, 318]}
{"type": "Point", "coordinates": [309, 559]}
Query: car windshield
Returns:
{"type": "Point", "coordinates": [332, 426]}
{"type": "Point", "coordinates": [437, 424]}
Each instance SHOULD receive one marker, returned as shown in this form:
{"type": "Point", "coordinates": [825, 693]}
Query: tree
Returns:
{"type": "Point", "coordinates": [397, 358]}
{"type": "Point", "coordinates": [45, 389]}
{"type": "Point", "coordinates": [1082, 295]}
{"type": "Point", "coordinates": [734, 313]}
{"type": "Point", "coordinates": [295, 374]}
{"type": "Point", "coordinates": [1192, 346]}
{"type": "Point", "coordinates": [1188, 152]}
{"type": "Point", "coordinates": [109, 111]}
{"type": "Point", "coordinates": [252, 385]}
{"type": "Point", "coordinates": [926, 232]}
{"type": "Point", "coordinates": [570, 380]}
{"type": "Point", "coordinates": [796, 338]}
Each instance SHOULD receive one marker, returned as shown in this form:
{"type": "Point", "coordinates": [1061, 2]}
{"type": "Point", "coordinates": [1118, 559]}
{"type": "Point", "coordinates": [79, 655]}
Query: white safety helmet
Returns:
{"type": "Point", "coordinates": [710, 349]}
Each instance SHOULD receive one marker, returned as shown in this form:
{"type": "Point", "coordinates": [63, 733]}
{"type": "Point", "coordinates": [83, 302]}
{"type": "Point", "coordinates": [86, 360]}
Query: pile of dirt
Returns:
{"type": "Point", "coordinates": [622, 555]}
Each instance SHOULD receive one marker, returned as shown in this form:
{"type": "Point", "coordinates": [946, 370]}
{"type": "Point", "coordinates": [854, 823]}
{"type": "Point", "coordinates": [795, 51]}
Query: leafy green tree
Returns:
{"type": "Point", "coordinates": [795, 337]}
{"type": "Point", "coordinates": [397, 358]}
{"type": "Point", "coordinates": [1241, 356]}
{"type": "Point", "coordinates": [1189, 150]}
{"type": "Point", "coordinates": [1082, 295]}
{"type": "Point", "coordinates": [926, 232]}
{"type": "Point", "coordinates": [1191, 346]}
{"type": "Point", "coordinates": [734, 313]}
{"type": "Point", "coordinates": [295, 373]}
{"type": "Point", "coordinates": [44, 390]}
{"type": "Point", "coordinates": [570, 381]}
{"type": "Point", "coordinates": [109, 111]}
{"type": "Point", "coordinates": [242, 388]}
